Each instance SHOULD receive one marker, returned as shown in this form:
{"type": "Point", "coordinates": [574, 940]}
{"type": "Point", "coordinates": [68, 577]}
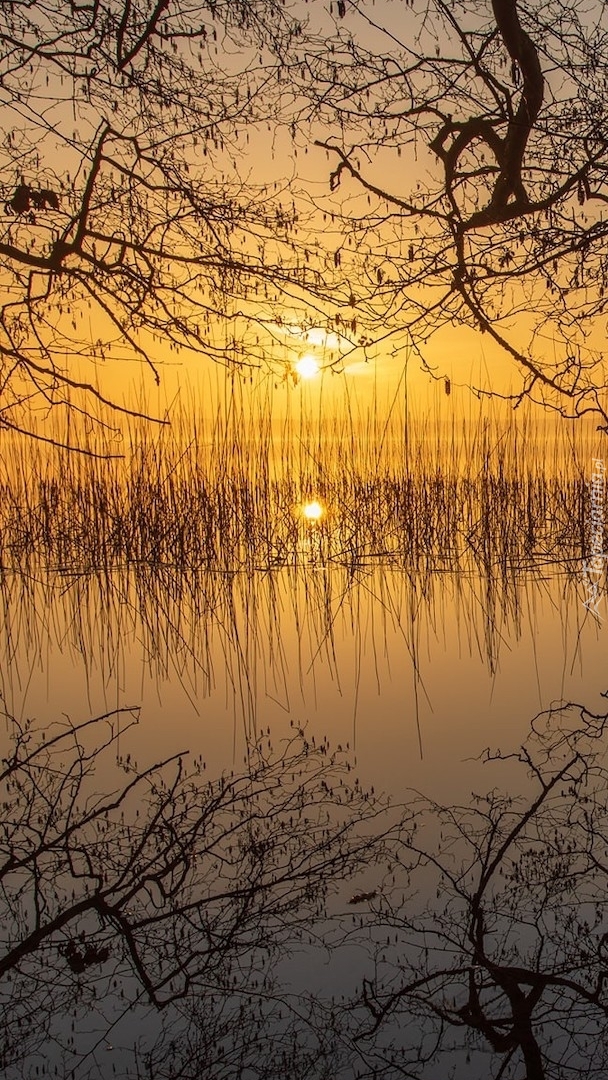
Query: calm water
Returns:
{"type": "Point", "coordinates": [415, 672]}
{"type": "Point", "coordinates": [432, 612]}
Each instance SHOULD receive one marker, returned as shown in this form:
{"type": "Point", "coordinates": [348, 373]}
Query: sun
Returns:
{"type": "Point", "coordinates": [307, 367]}
{"type": "Point", "coordinates": [313, 511]}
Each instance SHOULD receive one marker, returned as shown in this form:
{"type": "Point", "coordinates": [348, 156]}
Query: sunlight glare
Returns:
{"type": "Point", "coordinates": [313, 511]}
{"type": "Point", "coordinates": [307, 367]}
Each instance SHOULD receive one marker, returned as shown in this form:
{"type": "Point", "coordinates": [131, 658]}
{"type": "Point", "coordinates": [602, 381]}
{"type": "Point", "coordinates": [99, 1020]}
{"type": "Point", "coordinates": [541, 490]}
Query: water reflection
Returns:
{"type": "Point", "coordinates": [130, 893]}
{"type": "Point", "coordinates": [488, 943]}
{"type": "Point", "coordinates": [193, 914]}
{"type": "Point", "coordinates": [263, 646]}
{"type": "Point", "coordinates": [155, 922]}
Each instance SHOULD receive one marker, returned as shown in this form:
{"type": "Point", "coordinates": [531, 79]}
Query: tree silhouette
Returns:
{"type": "Point", "coordinates": [475, 137]}
{"type": "Point", "coordinates": [129, 230]}
{"type": "Point", "coordinates": [147, 909]}
{"type": "Point", "coordinates": [493, 923]}
{"type": "Point", "coordinates": [472, 139]}
{"type": "Point", "coordinates": [156, 899]}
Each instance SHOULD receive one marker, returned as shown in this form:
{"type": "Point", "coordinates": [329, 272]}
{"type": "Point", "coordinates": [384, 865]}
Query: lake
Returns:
{"type": "Point", "coordinates": [410, 590]}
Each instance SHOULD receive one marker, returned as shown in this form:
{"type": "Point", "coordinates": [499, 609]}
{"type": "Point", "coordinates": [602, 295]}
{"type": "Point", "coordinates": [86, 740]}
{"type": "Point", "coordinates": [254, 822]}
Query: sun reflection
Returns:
{"type": "Point", "coordinates": [307, 367]}
{"type": "Point", "coordinates": [313, 511]}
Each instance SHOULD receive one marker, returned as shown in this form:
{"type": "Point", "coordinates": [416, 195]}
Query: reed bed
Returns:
{"type": "Point", "coordinates": [227, 493]}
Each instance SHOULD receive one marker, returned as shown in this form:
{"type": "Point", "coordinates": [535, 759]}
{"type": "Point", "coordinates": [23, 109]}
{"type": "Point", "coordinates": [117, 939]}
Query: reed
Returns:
{"type": "Point", "coordinates": [225, 493]}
